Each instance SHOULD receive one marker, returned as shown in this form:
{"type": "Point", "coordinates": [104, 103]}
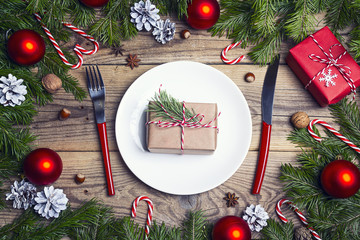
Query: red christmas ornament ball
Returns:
{"type": "Point", "coordinates": [203, 14]}
{"type": "Point", "coordinates": [340, 179]}
{"type": "Point", "coordinates": [94, 3]}
{"type": "Point", "coordinates": [43, 166]}
{"type": "Point", "coordinates": [26, 47]}
{"type": "Point", "coordinates": [231, 228]}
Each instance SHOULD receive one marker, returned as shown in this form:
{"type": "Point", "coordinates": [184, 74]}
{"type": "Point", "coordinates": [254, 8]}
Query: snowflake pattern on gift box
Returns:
{"type": "Point", "coordinates": [328, 78]}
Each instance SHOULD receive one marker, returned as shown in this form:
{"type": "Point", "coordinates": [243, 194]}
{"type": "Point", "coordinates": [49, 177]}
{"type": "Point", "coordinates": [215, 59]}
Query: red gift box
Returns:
{"type": "Point", "coordinates": [324, 67]}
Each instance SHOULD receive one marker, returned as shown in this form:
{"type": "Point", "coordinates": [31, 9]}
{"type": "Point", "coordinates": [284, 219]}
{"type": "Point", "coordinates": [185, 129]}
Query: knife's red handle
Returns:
{"type": "Point", "coordinates": [106, 157]}
{"type": "Point", "coordinates": [263, 156]}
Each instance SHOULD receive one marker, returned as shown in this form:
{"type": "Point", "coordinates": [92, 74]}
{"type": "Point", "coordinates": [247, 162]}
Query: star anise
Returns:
{"type": "Point", "coordinates": [118, 50]}
{"type": "Point", "coordinates": [231, 199]}
{"type": "Point", "coordinates": [133, 61]}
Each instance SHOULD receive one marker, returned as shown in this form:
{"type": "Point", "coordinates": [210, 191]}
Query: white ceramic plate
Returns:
{"type": "Point", "coordinates": [184, 174]}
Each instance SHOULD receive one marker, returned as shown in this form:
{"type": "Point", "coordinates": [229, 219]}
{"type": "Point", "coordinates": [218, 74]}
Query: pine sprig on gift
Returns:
{"type": "Point", "coordinates": [162, 100]}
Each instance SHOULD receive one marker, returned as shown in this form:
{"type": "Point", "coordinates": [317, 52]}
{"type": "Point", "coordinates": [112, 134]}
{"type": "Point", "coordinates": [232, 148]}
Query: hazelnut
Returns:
{"type": "Point", "coordinates": [185, 34]}
{"type": "Point", "coordinates": [80, 178]}
{"type": "Point", "coordinates": [51, 82]}
{"type": "Point", "coordinates": [249, 77]}
{"type": "Point", "coordinates": [300, 120]}
{"type": "Point", "coordinates": [64, 114]}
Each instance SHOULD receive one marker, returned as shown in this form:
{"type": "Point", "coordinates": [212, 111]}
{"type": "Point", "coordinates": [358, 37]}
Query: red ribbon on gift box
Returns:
{"type": "Point", "coordinates": [344, 70]}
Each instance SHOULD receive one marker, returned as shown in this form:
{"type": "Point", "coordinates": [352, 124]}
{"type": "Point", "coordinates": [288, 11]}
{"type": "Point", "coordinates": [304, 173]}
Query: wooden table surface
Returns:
{"type": "Point", "coordinates": [77, 142]}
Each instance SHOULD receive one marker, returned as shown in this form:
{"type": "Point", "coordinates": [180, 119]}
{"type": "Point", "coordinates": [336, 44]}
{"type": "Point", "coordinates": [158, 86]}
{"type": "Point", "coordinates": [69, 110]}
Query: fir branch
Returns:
{"type": "Point", "coordinates": [302, 185]}
{"type": "Point", "coordinates": [301, 22]}
{"type": "Point", "coordinates": [354, 43]}
{"type": "Point", "coordinates": [278, 231]}
{"type": "Point", "coordinates": [235, 21]}
{"type": "Point", "coordinates": [339, 14]}
{"type": "Point", "coordinates": [162, 232]}
{"type": "Point", "coordinates": [128, 230]}
{"type": "Point", "coordinates": [81, 15]}
{"type": "Point", "coordinates": [195, 227]}
{"type": "Point", "coordinates": [263, 18]}
{"type": "Point", "coordinates": [14, 142]}
{"type": "Point", "coordinates": [268, 49]}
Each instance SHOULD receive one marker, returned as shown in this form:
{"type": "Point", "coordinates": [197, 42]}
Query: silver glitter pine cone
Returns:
{"type": "Point", "coordinates": [50, 202]}
{"type": "Point", "coordinates": [144, 15]}
{"type": "Point", "coordinates": [22, 194]}
{"type": "Point", "coordinates": [12, 92]}
{"type": "Point", "coordinates": [164, 31]}
{"type": "Point", "coordinates": [256, 217]}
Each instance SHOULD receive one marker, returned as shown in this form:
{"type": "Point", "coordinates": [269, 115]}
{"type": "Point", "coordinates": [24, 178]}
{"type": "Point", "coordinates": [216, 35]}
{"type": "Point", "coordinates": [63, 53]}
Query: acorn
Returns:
{"type": "Point", "coordinates": [64, 114]}
{"type": "Point", "coordinates": [185, 34]}
{"type": "Point", "coordinates": [249, 77]}
{"type": "Point", "coordinates": [80, 178]}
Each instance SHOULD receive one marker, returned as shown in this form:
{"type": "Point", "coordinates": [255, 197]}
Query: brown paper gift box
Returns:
{"type": "Point", "coordinates": [196, 140]}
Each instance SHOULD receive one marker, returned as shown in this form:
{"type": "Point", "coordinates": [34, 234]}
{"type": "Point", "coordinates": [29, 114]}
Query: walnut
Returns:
{"type": "Point", "coordinates": [51, 82]}
{"type": "Point", "coordinates": [300, 120]}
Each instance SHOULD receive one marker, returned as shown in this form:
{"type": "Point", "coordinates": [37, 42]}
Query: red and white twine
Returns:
{"type": "Point", "coordinates": [77, 49]}
{"type": "Point", "coordinates": [225, 50]}
{"type": "Point", "coordinates": [149, 213]}
{"type": "Point", "coordinates": [331, 129]}
{"type": "Point", "coordinates": [344, 70]}
{"type": "Point", "coordinates": [184, 123]}
{"type": "Point", "coordinates": [297, 211]}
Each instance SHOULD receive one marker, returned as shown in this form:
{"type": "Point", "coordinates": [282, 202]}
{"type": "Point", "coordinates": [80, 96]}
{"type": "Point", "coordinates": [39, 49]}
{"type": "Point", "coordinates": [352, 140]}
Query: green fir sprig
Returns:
{"type": "Point", "coordinates": [164, 106]}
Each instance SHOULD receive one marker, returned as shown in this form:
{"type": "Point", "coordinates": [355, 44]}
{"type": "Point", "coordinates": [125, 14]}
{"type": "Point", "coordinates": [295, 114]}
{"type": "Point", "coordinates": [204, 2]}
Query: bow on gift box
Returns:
{"type": "Point", "coordinates": [344, 70]}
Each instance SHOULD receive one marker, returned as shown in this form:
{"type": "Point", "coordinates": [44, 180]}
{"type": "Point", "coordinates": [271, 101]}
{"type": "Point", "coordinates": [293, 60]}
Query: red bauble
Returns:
{"type": "Point", "coordinates": [26, 47]}
{"type": "Point", "coordinates": [43, 166]}
{"type": "Point", "coordinates": [231, 228]}
{"type": "Point", "coordinates": [94, 3]}
{"type": "Point", "coordinates": [203, 14]}
{"type": "Point", "coordinates": [340, 179]}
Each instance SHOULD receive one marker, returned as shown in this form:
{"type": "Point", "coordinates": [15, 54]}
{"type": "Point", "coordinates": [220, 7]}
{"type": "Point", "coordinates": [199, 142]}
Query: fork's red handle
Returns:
{"type": "Point", "coordinates": [106, 157]}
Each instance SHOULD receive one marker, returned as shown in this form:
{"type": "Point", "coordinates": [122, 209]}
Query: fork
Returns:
{"type": "Point", "coordinates": [97, 93]}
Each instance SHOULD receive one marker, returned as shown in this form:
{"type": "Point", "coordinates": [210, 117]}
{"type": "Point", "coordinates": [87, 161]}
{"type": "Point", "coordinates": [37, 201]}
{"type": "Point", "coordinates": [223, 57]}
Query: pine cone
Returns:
{"type": "Point", "coordinates": [302, 233]}
{"type": "Point", "coordinates": [50, 202]}
{"type": "Point", "coordinates": [12, 91]}
{"type": "Point", "coordinates": [164, 31]}
{"type": "Point", "coordinates": [144, 15]}
{"type": "Point", "coordinates": [22, 194]}
{"type": "Point", "coordinates": [256, 217]}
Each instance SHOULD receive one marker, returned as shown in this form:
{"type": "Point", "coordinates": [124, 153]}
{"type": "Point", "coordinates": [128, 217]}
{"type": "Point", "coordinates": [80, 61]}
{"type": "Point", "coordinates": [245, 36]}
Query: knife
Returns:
{"type": "Point", "coordinates": [267, 100]}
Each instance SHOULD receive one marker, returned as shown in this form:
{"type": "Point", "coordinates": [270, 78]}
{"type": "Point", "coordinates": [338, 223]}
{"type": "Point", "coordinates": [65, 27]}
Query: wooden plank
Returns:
{"type": "Point", "coordinates": [78, 133]}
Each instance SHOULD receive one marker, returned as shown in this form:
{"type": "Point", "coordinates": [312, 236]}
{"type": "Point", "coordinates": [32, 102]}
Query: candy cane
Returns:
{"type": "Point", "coordinates": [225, 50]}
{"type": "Point", "coordinates": [331, 129]}
{"type": "Point", "coordinates": [297, 211]}
{"type": "Point", "coordinates": [149, 215]}
{"type": "Point", "coordinates": [77, 49]}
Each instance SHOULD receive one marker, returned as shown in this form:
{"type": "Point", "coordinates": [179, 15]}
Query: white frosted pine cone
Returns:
{"type": "Point", "coordinates": [164, 31]}
{"type": "Point", "coordinates": [50, 202]}
{"type": "Point", "coordinates": [22, 194]}
{"type": "Point", "coordinates": [144, 15]}
{"type": "Point", "coordinates": [256, 217]}
{"type": "Point", "coordinates": [12, 92]}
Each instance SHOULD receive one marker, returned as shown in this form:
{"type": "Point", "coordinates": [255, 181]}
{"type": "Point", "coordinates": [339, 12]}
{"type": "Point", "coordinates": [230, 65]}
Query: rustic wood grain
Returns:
{"type": "Point", "coordinates": [77, 142]}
